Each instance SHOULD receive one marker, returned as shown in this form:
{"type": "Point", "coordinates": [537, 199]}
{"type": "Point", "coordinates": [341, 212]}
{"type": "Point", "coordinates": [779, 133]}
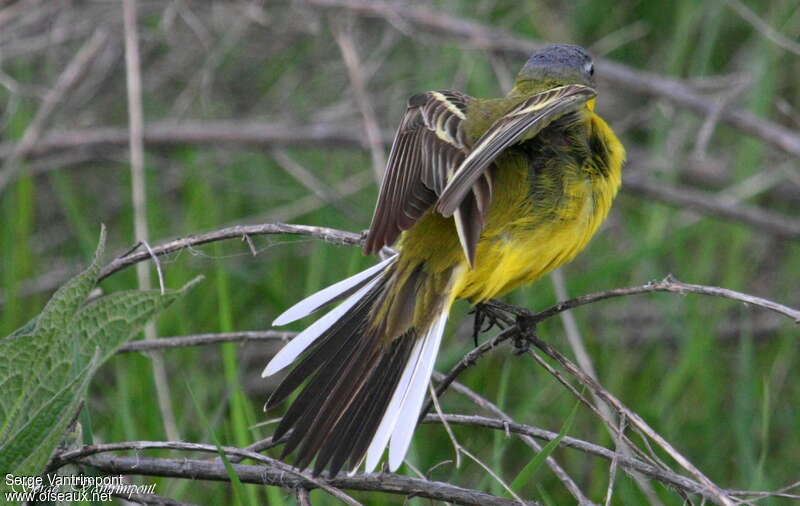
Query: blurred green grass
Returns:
{"type": "Point", "coordinates": [728, 403]}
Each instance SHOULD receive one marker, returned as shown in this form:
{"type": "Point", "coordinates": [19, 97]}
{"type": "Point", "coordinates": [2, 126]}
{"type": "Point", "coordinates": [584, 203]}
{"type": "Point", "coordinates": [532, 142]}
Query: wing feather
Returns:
{"type": "Point", "coordinates": [523, 121]}
{"type": "Point", "coordinates": [432, 161]}
{"type": "Point", "coordinates": [430, 143]}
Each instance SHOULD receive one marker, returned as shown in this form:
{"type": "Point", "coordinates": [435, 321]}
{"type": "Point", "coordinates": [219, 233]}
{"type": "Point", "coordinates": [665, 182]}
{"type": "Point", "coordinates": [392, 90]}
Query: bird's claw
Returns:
{"type": "Point", "coordinates": [486, 317]}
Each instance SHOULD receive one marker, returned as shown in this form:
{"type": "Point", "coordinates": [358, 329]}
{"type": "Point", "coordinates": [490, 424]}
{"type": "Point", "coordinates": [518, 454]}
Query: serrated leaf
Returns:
{"type": "Point", "coordinates": [65, 302]}
{"type": "Point", "coordinates": [25, 330]}
{"type": "Point", "coordinates": [46, 366]}
{"type": "Point", "coordinates": [43, 431]}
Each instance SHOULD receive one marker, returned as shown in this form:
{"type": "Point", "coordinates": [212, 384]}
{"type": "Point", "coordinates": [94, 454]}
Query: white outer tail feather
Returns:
{"type": "Point", "coordinates": [409, 412]}
{"type": "Point", "coordinates": [315, 301]}
{"type": "Point", "coordinates": [303, 340]}
{"type": "Point", "coordinates": [407, 399]}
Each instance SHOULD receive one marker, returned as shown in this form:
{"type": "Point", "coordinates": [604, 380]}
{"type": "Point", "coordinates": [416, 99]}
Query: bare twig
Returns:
{"type": "Point", "coordinates": [584, 360]}
{"type": "Point", "coordinates": [326, 234]}
{"type": "Point", "coordinates": [715, 492]}
{"type": "Point", "coordinates": [344, 238]}
{"type": "Point", "coordinates": [711, 491]}
{"type": "Point", "coordinates": [668, 284]}
{"type": "Point", "coordinates": [80, 453]}
{"type": "Point", "coordinates": [355, 70]}
{"type": "Point", "coordinates": [158, 266]}
{"type": "Point", "coordinates": [456, 444]}
{"type": "Point", "coordinates": [571, 326]}
{"type": "Point", "coordinates": [303, 498]}
{"type": "Point", "coordinates": [168, 343]}
{"type": "Point", "coordinates": [222, 132]}
{"type": "Point", "coordinates": [66, 82]}
{"type": "Point", "coordinates": [340, 237]}
{"type": "Point", "coordinates": [626, 462]}
{"type": "Point", "coordinates": [265, 475]}
{"type": "Point", "coordinates": [494, 475]}
{"type": "Point", "coordinates": [707, 203]}
{"type": "Point", "coordinates": [459, 449]}
{"type": "Point", "coordinates": [612, 472]}
{"type": "Point", "coordinates": [449, 380]}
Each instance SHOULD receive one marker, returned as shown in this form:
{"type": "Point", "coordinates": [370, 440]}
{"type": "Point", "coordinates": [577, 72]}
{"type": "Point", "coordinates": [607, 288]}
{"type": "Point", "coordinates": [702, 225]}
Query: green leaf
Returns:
{"type": "Point", "coordinates": [25, 330]}
{"type": "Point", "coordinates": [46, 366]}
{"type": "Point", "coordinates": [527, 472]}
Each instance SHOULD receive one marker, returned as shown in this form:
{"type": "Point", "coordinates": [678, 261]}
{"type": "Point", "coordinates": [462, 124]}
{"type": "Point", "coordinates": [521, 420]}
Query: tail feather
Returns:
{"type": "Point", "coordinates": [362, 388]}
{"type": "Point", "coordinates": [389, 420]}
{"type": "Point", "coordinates": [343, 403]}
{"type": "Point", "coordinates": [326, 345]}
{"type": "Point", "coordinates": [409, 411]}
{"type": "Point", "coordinates": [331, 294]}
{"type": "Point", "coordinates": [364, 423]}
{"type": "Point", "coordinates": [324, 364]}
{"type": "Point", "coordinates": [407, 400]}
{"type": "Point", "coordinates": [303, 340]}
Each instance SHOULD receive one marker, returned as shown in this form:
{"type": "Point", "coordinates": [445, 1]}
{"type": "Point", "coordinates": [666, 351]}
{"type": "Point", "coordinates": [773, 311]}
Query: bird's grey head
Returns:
{"type": "Point", "coordinates": [560, 63]}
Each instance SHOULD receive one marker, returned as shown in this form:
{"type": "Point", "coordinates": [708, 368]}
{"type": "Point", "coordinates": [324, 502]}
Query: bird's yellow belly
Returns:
{"type": "Point", "coordinates": [525, 251]}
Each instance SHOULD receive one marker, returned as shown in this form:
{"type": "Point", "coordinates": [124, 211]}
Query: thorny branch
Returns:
{"type": "Point", "coordinates": [330, 235]}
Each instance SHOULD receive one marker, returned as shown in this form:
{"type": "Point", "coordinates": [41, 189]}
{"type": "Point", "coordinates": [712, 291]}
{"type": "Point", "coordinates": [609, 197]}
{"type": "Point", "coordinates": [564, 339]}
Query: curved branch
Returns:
{"type": "Point", "coordinates": [330, 235]}
{"type": "Point", "coordinates": [631, 463]}
{"type": "Point", "coordinates": [668, 284]}
{"type": "Point", "coordinates": [195, 469]}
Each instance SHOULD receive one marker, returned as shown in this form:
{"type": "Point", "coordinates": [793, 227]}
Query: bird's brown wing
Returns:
{"type": "Point", "coordinates": [429, 146]}
{"type": "Point", "coordinates": [523, 121]}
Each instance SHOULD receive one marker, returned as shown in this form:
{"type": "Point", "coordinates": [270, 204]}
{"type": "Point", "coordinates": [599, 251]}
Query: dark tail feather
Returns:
{"type": "Point", "coordinates": [361, 389]}
{"type": "Point", "coordinates": [349, 376]}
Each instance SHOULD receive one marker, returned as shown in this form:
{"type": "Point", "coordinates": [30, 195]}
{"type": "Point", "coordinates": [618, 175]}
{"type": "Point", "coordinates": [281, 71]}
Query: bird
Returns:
{"type": "Point", "coordinates": [479, 196]}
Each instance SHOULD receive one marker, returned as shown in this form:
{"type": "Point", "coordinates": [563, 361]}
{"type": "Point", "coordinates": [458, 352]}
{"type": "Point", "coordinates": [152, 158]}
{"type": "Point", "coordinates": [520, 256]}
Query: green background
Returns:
{"type": "Point", "coordinates": [718, 379]}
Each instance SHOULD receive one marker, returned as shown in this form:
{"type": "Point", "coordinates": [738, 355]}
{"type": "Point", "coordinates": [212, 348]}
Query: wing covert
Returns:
{"type": "Point", "coordinates": [526, 120]}
{"type": "Point", "coordinates": [429, 145]}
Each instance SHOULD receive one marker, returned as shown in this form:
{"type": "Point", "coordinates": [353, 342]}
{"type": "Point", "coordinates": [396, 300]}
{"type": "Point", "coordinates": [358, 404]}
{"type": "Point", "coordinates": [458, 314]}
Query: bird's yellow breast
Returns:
{"type": "Point", "coordinates": [544, 223]}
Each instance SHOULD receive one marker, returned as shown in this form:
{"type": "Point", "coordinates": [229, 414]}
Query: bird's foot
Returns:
{"type": "Point", "coordinates": [522, 339]}
{"type": "Point", "coordinates": [486, 317]}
